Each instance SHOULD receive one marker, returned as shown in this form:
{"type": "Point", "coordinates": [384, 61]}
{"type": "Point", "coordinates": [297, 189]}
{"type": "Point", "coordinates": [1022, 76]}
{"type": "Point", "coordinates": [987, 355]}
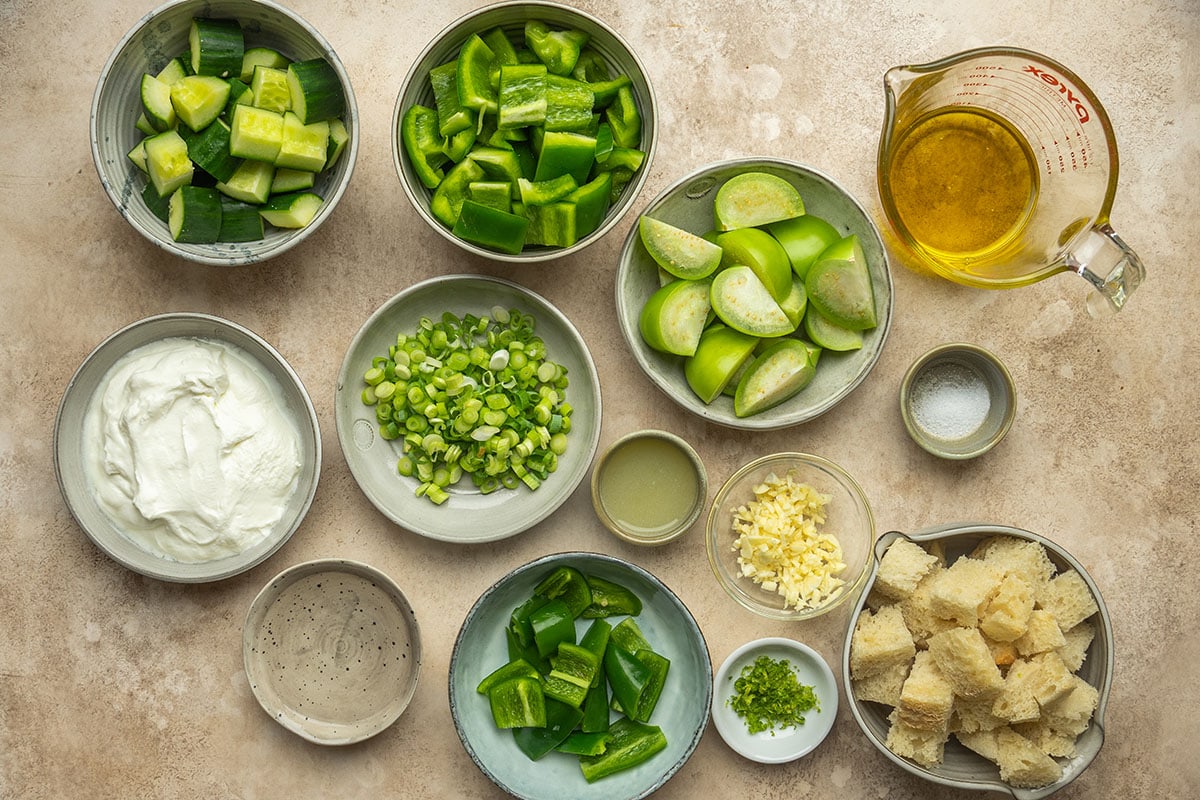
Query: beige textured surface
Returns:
{"type": "Point", "coordinates": [115, 686]}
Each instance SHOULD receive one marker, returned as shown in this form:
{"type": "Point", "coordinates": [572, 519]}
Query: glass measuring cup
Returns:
{"type": "Point", "coordinates": [997, 168]}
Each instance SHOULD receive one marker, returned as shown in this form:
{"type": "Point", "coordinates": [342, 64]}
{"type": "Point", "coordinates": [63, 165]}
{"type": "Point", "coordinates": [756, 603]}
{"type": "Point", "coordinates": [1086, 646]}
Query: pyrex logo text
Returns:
{"type": "Point", "coordinates": [1081, 110]}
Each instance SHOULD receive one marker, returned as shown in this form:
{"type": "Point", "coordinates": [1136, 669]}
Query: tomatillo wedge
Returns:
{"type": "Point", "coordinates": [755, 198]}
{"type": "Point", "coordinates": [777, 374]}
{"type": "Point", "coordinates": [830, 336]}
{"type": "Point", "coordinates": [804, 239]}
{"type": "Point", "coordinates": [675, 315]}
{"type": "Point", "coordinates": [720, 354]}
{"type": "Point", "coordinates": [758, 250]}
{"type": "Point", "coordinates": [847, 248]}
{"type": "Point", "coordinates": [679, 252]}
{"type": "Point", "coordinates": [743, 303]}
{"type": "Point", "coordinates": [796, 302]}
{"type": "Point", "coordinates": [841, 290]}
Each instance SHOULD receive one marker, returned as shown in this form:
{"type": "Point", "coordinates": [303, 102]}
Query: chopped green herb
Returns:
{"type": "Point", "coordinates": [768, 695]}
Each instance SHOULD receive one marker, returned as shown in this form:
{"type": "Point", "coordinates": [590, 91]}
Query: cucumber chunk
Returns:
{"type": "Point", "coordinates": [315, 90]}
{"type": "Point", "coordinates": [209, 150]}
{"type": "Point", "coordinates": [199, 99]}
{"type": "Point", "coordinates": [292, 180]}
{"type": "Point", "coordinates": [240, 222]}
{"type": "Point", "coordinates": [256, 133]}
{"type": "Point", "coordinates": [156, 103]}
{"type": "Point", "coordinates": [250, 183]}
{"type": "Point", "coordinates": [175, 69]}
{"type": "Point", "coordinates": [339, 137]}
{"type": "Point", "coordinates": [265, 56]}
{"type": "Point", "coordinates": [303, 146]}
{"type": "Point", "coordinates": [270, 89]}
{"type": "Point", "coordinates": [293, 210]}
{"type": "Point", "coordinates": [167, 162]}
{"type": "Point", "coordinates": [195, 215]}
{"type": "Point", "coordinates": [216, 47]}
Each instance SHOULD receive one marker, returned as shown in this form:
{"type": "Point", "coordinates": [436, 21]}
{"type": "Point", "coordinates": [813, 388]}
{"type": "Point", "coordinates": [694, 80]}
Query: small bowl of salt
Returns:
{"type": "Point", "coordinates": [958, 401]}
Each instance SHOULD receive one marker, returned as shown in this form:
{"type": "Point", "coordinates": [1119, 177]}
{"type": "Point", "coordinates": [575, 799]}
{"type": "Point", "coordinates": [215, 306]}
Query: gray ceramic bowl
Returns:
{"type": "Point", "coordinates": [961, 768]}
{"type": "Point", "coordinates": [155, 39]}
{"type": "Point", "coordinates": [512, 17]}
{"type": "Point", "coordinates": [69, 433]}
{"type": "Point", "coordinates": [688, 204]}
{"type": "Point", "coordinates": [468, 516]}
{"type": "Point", "coordinates": [682, 711]}
{"type": "Point", "coordinates": [332, 650]}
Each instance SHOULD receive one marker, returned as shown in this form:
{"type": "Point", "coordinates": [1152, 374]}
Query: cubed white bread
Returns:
{"type": "Point", "coordinates": [877, 600]}
{"type": "Point", "coordinates": [902, 567]}
{"type": "Point", "coordinates": [982, 742]}
{"type": "Point", "coordinates": [918, 611]}
{"type": "Point", "coordinates": [1072, 713]}
{"type": "Point", "coordinates": [880, 641]}
{"type": "Point", "coordinates": [1017, 556]}
{"type": "Point", "coordinates": [1048, 740]}
{"type": "Point", "coordinates": [1016, 701]}
{"type": "Point", "coordinates": [1075, 645]}
{"type": "Point", "coordinates": [965, 661]}
{"type": "Point", "coordinates": [973, 716]}
{"type": "Point", "coordinates": [1054, 681]}
{"type": "Point", "coordinates": [963, 589]}
{"type": "Point", "coordinates": [924, 747]}
{"type": "Point", "coordinates": [1006, 615]}
{"type": "Point", "coordinates": [1068, 598]}
{"type": "Point", "coordinates": [882, 687]}
{"type": "Point", "coordinates": [926, 699]}
{"type": "Point", "coordinates": [1022, 763]}
{"type": "Point", "coordinates": [1041, 635]}
{"type": "Point", "coordinates": [1003, 653]}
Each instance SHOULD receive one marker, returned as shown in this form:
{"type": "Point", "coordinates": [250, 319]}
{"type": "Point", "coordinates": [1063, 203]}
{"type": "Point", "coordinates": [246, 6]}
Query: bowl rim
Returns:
{"type": "Point", "coordinates": [810, 656]}
{"type": "Point", "coordinates": [294, 237]}
{"type": "Point", "coordinates": [947, 531]}
{"type": "Point", "coordinates": [270, 593]}
{"type": "Point", "coordinates": [629, 195]}
{"type": "Point", "coordinates": [169, 570]}
{"type": "Point", "coordinates": [757, 422]}
{"type": "Point", "coordinates": [698, 470]}
{"type": "Point", "coordinates": [852, 588]}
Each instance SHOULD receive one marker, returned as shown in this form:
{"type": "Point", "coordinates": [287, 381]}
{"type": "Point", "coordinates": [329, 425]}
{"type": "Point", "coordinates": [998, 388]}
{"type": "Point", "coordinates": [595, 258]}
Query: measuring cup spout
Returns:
{"type": "Point", "coordinates": [1103, 259]}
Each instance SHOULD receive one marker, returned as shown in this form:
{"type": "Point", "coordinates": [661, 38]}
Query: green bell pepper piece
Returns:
{"type": "Point", "coordinates": [457, 147]}
{"type": "Point", "coordinates": [595, 639]}
{"type": "Point", "coordinates": [575, 664]}
{"type": "Point", "coordinates": [628, 636]}
{"type": "Point", "coordinates": [552, 225]}
{"type": "Point", "coordinates": [500, 165]}
{"type": "Point", "coordinates": [592, 201]}
{"type": "Point", "coordinates": [605, 92]}
{"type": "Point", "coordinates": [622, 115]}
{"type": "Point", "coordinates": [560, 720]}
{"type": "Point", "coordinates": [452, 117]}
{"type": "Point", "coordinates": [448, 197]}
{"type": "Point", "coordinates": [608, 598]}
{"type": "Point", "coordinates": [503, 52]}
{"type": "Point", "coordinates": [491, 227]}
{"type": "Point", "coordinates": [564, 691]}
{"type": "Point", "coordinates": [496, 194]}
{"type": "Point", "coordinates": [658, 665]}
{"type": "Point", "coordinates": [568, 104]}
{"type": "Point", "coordinates": [591, 67]}
{"type": "Point", "coordinates": [552, 625]}
{"type": "Point", "coordinates": [520, 668]}
{"type": "Point", "coordinates": [522, 96]}
{"type": "Point", "coordinates": [604, 142]}
{"type": "Point", "coordinates": [580, 743]}
{"type": "Point", "coordinates": [422, 143]}
{"type": "Point", "coordinates": [475, 90]}
{"type": "Point", "coordinates": [565, 153]}
{"type": "Point", "coordinates": [627, 677]}
{"type": "Point", "coordinates": [564, 583]}
{"type": "Point", "coordinates": [595, 709]}
{"type": "Point", "coordinates": [527, 653]}
{"type": "Point", "coordinates": [558, 50]}
{"type": "Point", "coordinates": [540, 193]}
{"type": "Point", "coordinates": [518, 621]}
{"type": "Point", "coordinates": [526, 159]}
{"type": "Point", "coordinates": [518, 703]}
{"type": "Point", "coordinates": [630, 743]}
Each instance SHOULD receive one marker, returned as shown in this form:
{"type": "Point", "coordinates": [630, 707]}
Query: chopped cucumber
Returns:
{"type": "Point", "coordinates": [138, 155]}
{"type": "Point", "coordinates": [270, 88]}
{"type": "Point", "coordinates": [175, 69]}
{"type": "Point", "coordinates": [293, 210]}
{"type": "Point", "coordinates": [195, 215]}
{"type": "Point", "coordinates": [339, 137]}
{"type": "Point", "coordinates": [209, 150]}
{"type": "Point", "coordinates": [250, 183]}
{"type": "Point", "coordinates": [240, 222]}
{"type": "Point", "coordinates": [156, 102]}
{"type": "Point", "coordinates": [315, 89]}
{"type": "Point", "coordinates": [302, 146]}
{"type": "Point", "coordinates": [216, 47]}
{"type": "Point", "coordinates": [199, 99]}
{"type": "Point", "coordinates": [159, 206]}
{"type": "Point", "coordinates": [240, 94]}
{"type": "Point", "coordinates": [167, 162]}
{"type": "Point", "coordinates": [292, 180]}
{"type": "Point", "coordinates": [256, 133]}
{"type": "Point", "coordinates": [265, 56]}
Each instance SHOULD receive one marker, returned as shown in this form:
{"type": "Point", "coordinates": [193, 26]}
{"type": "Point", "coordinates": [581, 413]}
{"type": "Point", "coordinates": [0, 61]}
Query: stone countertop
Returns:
{"type": "Point", "coordinates": [112, 685]}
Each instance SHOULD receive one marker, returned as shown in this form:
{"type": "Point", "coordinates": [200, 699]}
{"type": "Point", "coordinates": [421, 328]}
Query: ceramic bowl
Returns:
{"type": "Point", "coordinates": [782, 744]}
{"type": "Point", "coordinates": [673, 490]}
{"type": "Point", "coordinates": [688, 204]}
{"type": "Point", "coordinates": [847, 517]}
{"type": "Point", "coordinates": [512, 16]}
{"type": "Point", "coordinates": [961, 768]}
{"type": "Point", "coordinates": [467, 516]}
{"type": "Point", "coordinates": [159, 36]}
{"type": "Point", "coordinates": [332, 650]}
{"type": "Point", "coordinates": [682, 711]}
{"type": "Point", "coordinates": [958, 401]}
{"type": "Point", "coordinates": [71, 433]}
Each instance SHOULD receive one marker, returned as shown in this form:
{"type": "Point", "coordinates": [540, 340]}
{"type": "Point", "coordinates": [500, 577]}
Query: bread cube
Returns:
{"type": "Point", "coordinates": [924, 747]}
{"type": "Point", "coordinates": [1069, 599]}
{"type": "Point", "coordinates": [880, 641]}
{"type": "Point", "coordinates": [1017, 557]}
{"type": "Point", "coordinates": [1072, 713]}
{"type": "Point", "coordinates": [1041, 635]}
{"type": "Point", "coordinates": [1006, 615]}
{"type": "Point", "coordinates": [1075, 645]}
{"type": "Point", "coordinates": [926, 699]}
{"type": "Point", "coordinates": [963, 589]}
{"type": "Point", "coordinates": [882, 687]}
{"type": "Point", "coordinates": [1054, 679]}
{"type": "Point", "coordinates": [1016, 701]}
{"type": "Point", "coordinates": [982, 742]}
{"type": "Point", "coordinates": [1003, 653]}
{"type": "Point", "coordinates": [1022, 763]}
{"type": "Point", "coordinates": [974, 716]}
{"type": "Point", "coordinates": [965, 661]}
{"type": "Point", "coordinates": [902, 567]}
{"type": "Point", "coordinates": [918, 611]}
{"type": "Point", "coordinates": [1048, 740]}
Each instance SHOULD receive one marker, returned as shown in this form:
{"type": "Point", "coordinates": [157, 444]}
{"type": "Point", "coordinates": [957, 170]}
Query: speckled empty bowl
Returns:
{"type": "Point", "coordinates": [332, 650]}
{"type": "Point", "coordinates": [158, 37]}
{"type": "Point", "coordinates": [71, 433]}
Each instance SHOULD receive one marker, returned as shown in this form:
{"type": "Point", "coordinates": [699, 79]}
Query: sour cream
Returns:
{"type": "Point", "coordinates": [189, 448]}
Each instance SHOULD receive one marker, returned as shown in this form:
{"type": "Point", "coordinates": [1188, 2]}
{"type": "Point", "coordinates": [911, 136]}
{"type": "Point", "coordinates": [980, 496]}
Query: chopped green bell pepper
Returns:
{"type": "Point", "coordinates": [595, 639]}
{"type": "Point", "coordinates": [475, 90]}
{"type": "Point", "coordinates": [457, 146]}
{"type": "Point", "coordinates": [658, 665]}
{"type": "Point", "coordinates": [560, 720]}
{"type": "Point", "coordinates": [522, 96]}
{"type": "Point", "coordinates": [518, 703]}
{"type": "Point", "coordinates": [595, 709]}
{"type": "Point", "coordinates": [605, 92]}
{"type": "Point", "coordinates": [500, 165]}
{"type": "Point", "coordinates": [608, 598]}
{"type": "Point", "coordinates": [563, 690]}
{"type": "Point", "coordinates": [623, 116]}
{"type": "Point", "coordinates": [591, 67]}
{"type": "Point", "coordinates": [604, 142]}
{"type": "Point", "coordinates": [565, 153]}
{"type": "Point", "coordinates": [541, 193]}
{"type": "Point", "coordinates": [575, 664]}
{"type": "Point", "coordinates": [490, 227]}
{"type": "Point", "coordinates": [564, 583]}
{"type": "Point", "coordinates": [520, 668]}
{"type": "Point", "coordinates": [448, 197]}
{"type": "Point", "coordinates": [552, 625]}
{"type": "Point", "coordinates": [581, 743]}
{"type": "Point", "coordinates": [552, 225]}
{"type": "Point", "coordinates": [558, 49]}
{"type": "Point", "coordinates": [496, 194]}
{"type": "Point", "coordinates": [419, 133]}
{"type": "Point", "coordinates": [503, 52]}
{"type": "Point", "coordinates": [592, 201]}
{"type": "Point", "coordinates": [628, 636]}
{"type": "Point", "coordinates": [630, 743]}
{"type": "Point", "coordinates": [452, 117]}
{"type": "Point", "coordinates": [627, 676]}
{"type": "Point", "coordinates": [568, 104]}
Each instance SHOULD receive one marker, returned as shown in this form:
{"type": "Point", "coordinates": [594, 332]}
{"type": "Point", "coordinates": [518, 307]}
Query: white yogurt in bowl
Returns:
{"type": "Point", "coordinates": [188, 447]}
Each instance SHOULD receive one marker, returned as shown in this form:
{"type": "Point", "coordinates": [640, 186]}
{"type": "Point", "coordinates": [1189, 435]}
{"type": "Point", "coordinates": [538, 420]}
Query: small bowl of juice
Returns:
{"type": "Point", "coordinates": [649, 487]}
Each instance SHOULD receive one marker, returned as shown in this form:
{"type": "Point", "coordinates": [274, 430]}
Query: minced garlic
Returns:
{"type": "Point", "coordinates": [779, 546]}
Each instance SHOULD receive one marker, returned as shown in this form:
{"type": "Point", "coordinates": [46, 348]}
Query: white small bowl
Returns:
{"type": "Point", "coordinates": [332, 650]}
{"type": "Point", "coordinates": [780, 745]}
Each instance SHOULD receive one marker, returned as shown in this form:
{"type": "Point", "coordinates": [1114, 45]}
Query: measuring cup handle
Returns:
{"type": "Point", "coordinates": [1105, 261]}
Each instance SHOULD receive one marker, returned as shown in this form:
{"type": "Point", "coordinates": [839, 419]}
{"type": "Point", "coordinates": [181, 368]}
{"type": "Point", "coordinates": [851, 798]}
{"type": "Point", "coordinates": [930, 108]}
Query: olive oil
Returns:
{"type": "Point", "coordinates": [963, 183]}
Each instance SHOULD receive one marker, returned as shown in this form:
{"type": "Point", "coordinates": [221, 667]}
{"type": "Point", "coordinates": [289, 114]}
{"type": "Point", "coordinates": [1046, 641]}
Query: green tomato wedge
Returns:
{"type": "Point", "coordinates": [674, 317]}
{"type": "Point", "coordinates": [841, 290]}
{"type": "Point", "coordinates": [752, 199]}
{"type": "Point", "coordinates": [742, 302]}
{"type": "Point", "coordinates": [803, 238]}
{"type": "Point", "coordinates": [777, 374]}
{"type": "Point", "coordinates": [719, 356]}
{"type": "Point", "coordinates": [831, 336]}
{"type": "Point", "coordinates": [683, 254]}
{"type": "Point", "coordinates": [847, 248]}
{"type": "Point", "coordinates": [796, 302]}
{"type": "Point", "coordinates": [757, 249]}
